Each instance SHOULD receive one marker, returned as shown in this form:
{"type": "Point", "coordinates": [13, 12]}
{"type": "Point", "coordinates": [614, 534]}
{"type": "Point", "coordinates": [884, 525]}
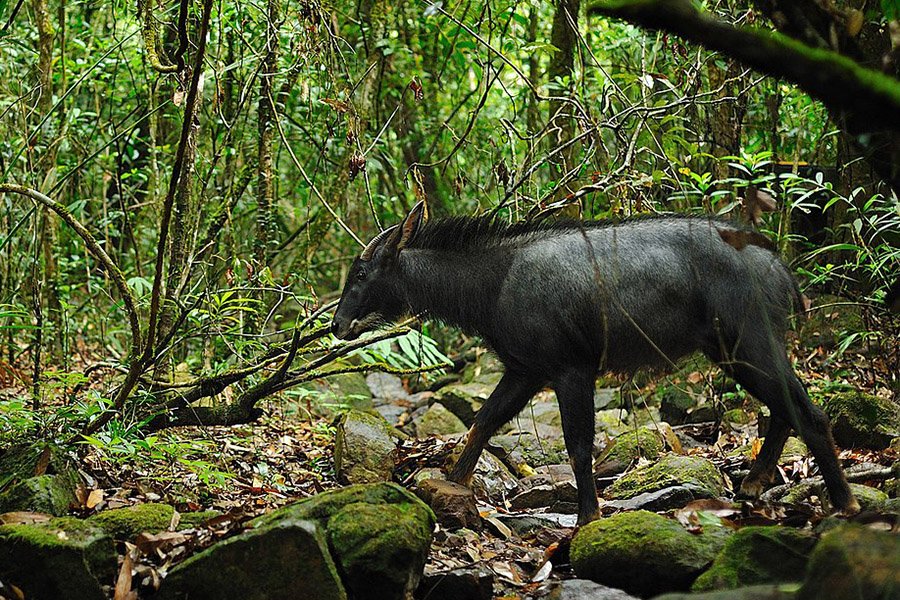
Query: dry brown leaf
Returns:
{"type": "Point", "coordinates": [148, 543]}
{"type": "Point", "coordinates": [123, 582]}
{"type": "Point", "coordinates": [94, 498]}
{"type": "Point", "coordinates": [23, 518]}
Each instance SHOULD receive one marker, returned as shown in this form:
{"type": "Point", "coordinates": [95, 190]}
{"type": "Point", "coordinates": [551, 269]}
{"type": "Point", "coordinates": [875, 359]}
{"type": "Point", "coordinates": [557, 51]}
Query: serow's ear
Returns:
{"type": "Point", "coordinates": [410, 225]}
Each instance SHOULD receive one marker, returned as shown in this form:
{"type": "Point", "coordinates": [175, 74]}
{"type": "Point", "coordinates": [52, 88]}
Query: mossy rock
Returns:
{"type": "Point", "coordinates": [465, 399]}
{"type": "Point", "coordinates": [737, 416]}
{"type": "Point", "coordinates": [394, 523]}
{"type": "Point", "coordinates": [364, 449]}
{"type": "Point", "coordinates": [439, 421]}
{"type": "Point", "coordinates": [522, 452]}
{"type": "Point", "coordinates": [756, 555]}
{"type": "Point", "coordinates": [190, 520]}
{"type": "Point", "coordinates": [126, 523]}
{"type": "Point", "coordinates": [853, 562]}
{"type": "Point", "coordinates": [643, 553]}
{"type": "Point", "coordinates": [612, 421]}
{"type": "Point", "coordinates": [794, 449]}
{"type": "Point", "coordinates": [670, 470]}
{"type": "Point", "coordinates": [381, 548]}
{"type": "Point", "coordinates": [628, 447]}
{"type": "Point", "coordinates": [60, 558]}
{"type": "Point", "coordinates": [287, 558]}
{"type": "Point", "coordinates": [861, 420]}
{"type": "Point", "coordinates": [338, 393]}
{"type": "Point", "coordinates": [51, 494]}
{"type": "Point", "coordinates": [869, 498]}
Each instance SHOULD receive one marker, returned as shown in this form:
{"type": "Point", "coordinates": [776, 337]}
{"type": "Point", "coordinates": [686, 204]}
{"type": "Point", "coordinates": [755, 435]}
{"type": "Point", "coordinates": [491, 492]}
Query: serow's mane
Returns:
{"type": "Point", "coordinates": [466, 233]}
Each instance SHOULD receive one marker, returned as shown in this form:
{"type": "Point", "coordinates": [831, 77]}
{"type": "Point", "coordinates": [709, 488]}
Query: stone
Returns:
{"type": "Point", "coordinates": [438, 421]}
{"type": "Point", "coordinates": [582, 589]}
{"type": "Point", "coordinates": [492, 479]}
{"type": "Point", "coordinates": [670, 470]}
{"type": "Point", "coordinates": [860, 420]}
{"type": "Point", "coordinates": [463, 399]}
{"type": "Point", "coordinates": [852, 562]}
{"type": "Point", "coordinates": [607, 397]}
{"type": "Point", "coordinates": [546, 495]}
{"type": "Point", "coordinates": [386, 388]}
{"type": "Point", "coordinates": [675, 402]}
{"type": "Point", "coordinates": [627, 448]}
{"type": "Point", "coordinates": [285, 558]}
{"type": "Point", "coordinates": [675, 496]}
{"type": "Point", "coordinates": [467, 583]}
{"type": "Point", "coordinates": [64, 557]}
{"type": "Point", "coordinates": [346, 391]}
{"type": "Point", "coordinates": [453, 504]}
{"type": "Point", "coordinates": [365, 448]}
{"type": "Point", "coordinates": [771, 591]}
{"type": "Point", "coordinates": [50, 494]}
{"type": "Point", "coordinates": [524, 451]}
{"type": "Point", "coordinates": [869, 498]}
{"type": "Point", "coordinates": [525, 524]}
{"type": "Point", "coordinates": [378, 534]}
{"type": "Point", "coordinates": [612, 421]}
{"type": "Point", "coordinates": [643, 553]}
{"type": "Point", "coordinates": [757, 555]}
{"type": "Point", "coordinates": [124, 524]}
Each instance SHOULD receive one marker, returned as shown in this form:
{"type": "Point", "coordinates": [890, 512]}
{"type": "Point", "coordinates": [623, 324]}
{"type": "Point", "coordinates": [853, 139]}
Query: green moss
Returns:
{"type": "Point", "coordinates": [862, 420]}
{"type": "Point", "coordinates": [643, 553]}
{"type": "Point", "coordinates": [196, 519]}
{"type": "Point", "coordinates": [759, 555]}
{"type": "Point", "coordinates": [671, 470]}
{"type": "Point", "coordinates": [381, 547]}
{"type": "Point", "coordinates": [853, 561]}
{"type": "Point", "coordinates": [63, 557]}
{"type": "Point", "coordinates": [52, 494]}
{"type": "Point", "coordinates": [631, 445]}
{"type": "Point", "coordinates": [869, 497]}
{"type": "Point", "coordinates": [126, 523]}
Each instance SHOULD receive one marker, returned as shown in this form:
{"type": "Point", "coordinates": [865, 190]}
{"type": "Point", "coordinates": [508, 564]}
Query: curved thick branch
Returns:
{"type": "Point", "coordinates": [842, 84]}
{"type": "Point", "coordinates": [128, 300]}
{"type": "Point", "coordinates": [151, 38]}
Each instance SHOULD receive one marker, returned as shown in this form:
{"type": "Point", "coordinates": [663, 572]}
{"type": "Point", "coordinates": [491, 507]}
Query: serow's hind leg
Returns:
{"type": "Point", "coordinates": [505, 402]}
{"type": "Point", "coordinates": [575, 392]}
{"type": "Point", "coordinates": [778, 387]}
{"type": "Point", "coordinates": [762, 473]}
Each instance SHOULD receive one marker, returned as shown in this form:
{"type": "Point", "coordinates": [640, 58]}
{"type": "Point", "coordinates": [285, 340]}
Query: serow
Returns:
{"type": "Point", "coordinates": [560, 303]}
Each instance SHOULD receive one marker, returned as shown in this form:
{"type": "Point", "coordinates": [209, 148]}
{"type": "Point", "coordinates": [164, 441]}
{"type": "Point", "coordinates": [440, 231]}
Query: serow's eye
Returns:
{"type": "Point", "coordinates": [361, 275]}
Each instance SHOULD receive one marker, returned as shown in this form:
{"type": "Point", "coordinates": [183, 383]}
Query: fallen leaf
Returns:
{"type": "Point", "coordinates": [23, 518]}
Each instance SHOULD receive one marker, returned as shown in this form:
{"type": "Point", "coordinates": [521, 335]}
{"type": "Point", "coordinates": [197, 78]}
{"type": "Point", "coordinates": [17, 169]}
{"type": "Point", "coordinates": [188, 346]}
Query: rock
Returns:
{"type": "Point", "coordinates": [285, 558]}
{"type": "Point", "coordinates": [736, 416]}
{"type": "Point", "coordinates": [772, 591]}
{"type": "Point", "coordinates": [124, 524]}
{"type": "Point", "coordinates": [853, 563]}
{"type": "Point", "coordinates": [670, 470]}
{"type": "Point", "coordinates": [365, 448]}
{"type": "Point", "coordinates": [582, 589]}
{"type": "Point", "coordinates": [453, 504]}
{"type": "Point", "coordinates": [675, 402]}
{"type": "Point", "coordinates": [492, 478]}
{"type": "Point", "coordinates": [667, 498]}
{"type": "Point", "coordinates": [524, 451]}
{"type": "Point", "coordinates": [556, 496]}
{"type": "Point", "coordinates": [346, 391]}
{"type": "Point", "coordinates": [463, 399]}
{"type": "Point", "coordinates": [392, 413]}
{"type": "Point", "coordinates": [438, 421]}
{"type": "Point", "coordinates": [467, 583]}
{"type": "Point", "coordinates": [627, 448]}
{"type": "Point", "coordinates": [378, 534]}
{"type": "Point", "coordinates": [643, 553]}
{"type": "Point", "coordinates": [386, 388]}
{"type": "Point", "coordinates": [607, 397]}
{"type": "Point", "coordinates": [60, 558]}
{"type": "Point", "coordinates": [51, 494]}
{"type": "Point", "coordinates": [612, 421]}
{"type": "Point", "coordinates": [196, 519]}
{"type": "Point", "coordinates": [525, 524]}
{"type": "Point", "coordinates": [869, 498]}
{"type": "Point", "coordinates": [756, 555]}
{"type": "Point", "coordinates": [860, 420]}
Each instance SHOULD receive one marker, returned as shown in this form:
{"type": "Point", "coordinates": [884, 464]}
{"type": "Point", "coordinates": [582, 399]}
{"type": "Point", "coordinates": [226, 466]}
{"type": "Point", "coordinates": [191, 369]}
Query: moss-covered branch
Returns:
{"type": "Point", "coordinates": [871, 97]}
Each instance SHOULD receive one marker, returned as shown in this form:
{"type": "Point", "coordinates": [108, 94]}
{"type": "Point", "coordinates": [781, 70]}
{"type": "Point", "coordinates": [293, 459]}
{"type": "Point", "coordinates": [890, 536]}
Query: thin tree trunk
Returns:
{"type": "Point", "coordinates": [564, 37]}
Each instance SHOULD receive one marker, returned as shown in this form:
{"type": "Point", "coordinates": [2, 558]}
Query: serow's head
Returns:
{"type": "Point", "coordinates": [373, 293]}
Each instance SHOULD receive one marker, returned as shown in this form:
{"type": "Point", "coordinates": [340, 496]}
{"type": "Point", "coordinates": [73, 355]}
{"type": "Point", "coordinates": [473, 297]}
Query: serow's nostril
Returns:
{"type": "Point", "coordinates": [334, 327]}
